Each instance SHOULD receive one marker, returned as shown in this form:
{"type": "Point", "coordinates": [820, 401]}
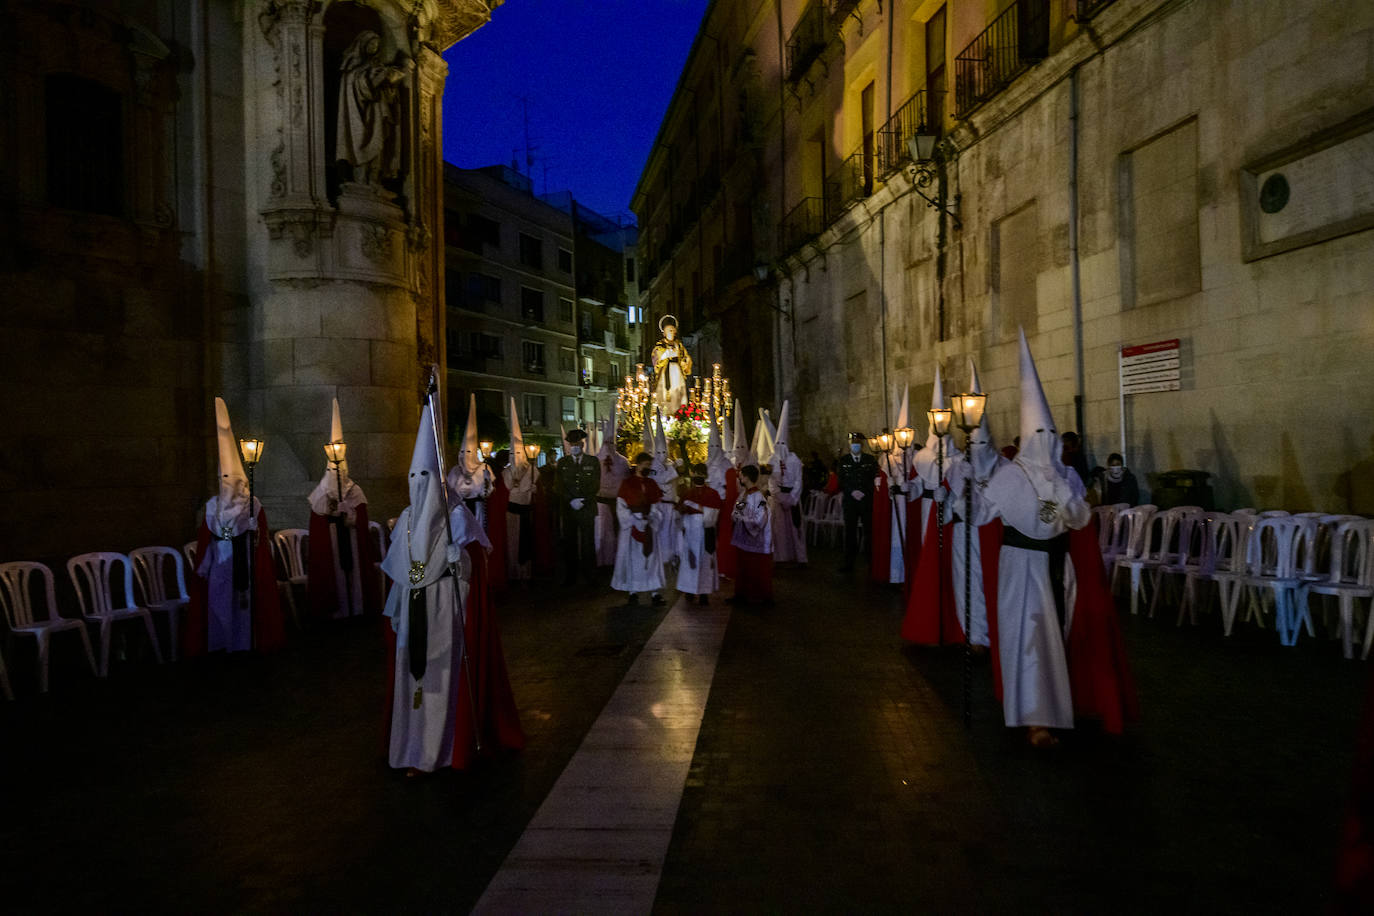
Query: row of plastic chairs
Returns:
{"type": "Point", "coordinates": [104, 582]}
{"type": "Point", "coordinates": [1267, 562]}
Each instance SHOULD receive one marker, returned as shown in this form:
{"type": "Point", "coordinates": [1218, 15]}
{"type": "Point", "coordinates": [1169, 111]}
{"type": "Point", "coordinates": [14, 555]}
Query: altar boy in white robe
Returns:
{"type": "Point", "coordinates": [697, 514]}
{"type": "Point", "coordinates": [1039, 502]}
{"type": "Point", "coordinates": [426, 608]}
{"type": "Point", "coordinates": [785, 492]}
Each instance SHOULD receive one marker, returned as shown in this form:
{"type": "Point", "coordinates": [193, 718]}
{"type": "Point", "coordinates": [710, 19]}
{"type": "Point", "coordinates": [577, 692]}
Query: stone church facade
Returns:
{"type": "Point", "coordinates": [180, 222]}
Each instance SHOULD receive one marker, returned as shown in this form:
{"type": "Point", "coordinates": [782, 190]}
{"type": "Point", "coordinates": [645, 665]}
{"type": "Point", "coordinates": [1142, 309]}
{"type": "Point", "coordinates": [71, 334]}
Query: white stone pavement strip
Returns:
{"type": "Point", "coordinates": [598, 842]}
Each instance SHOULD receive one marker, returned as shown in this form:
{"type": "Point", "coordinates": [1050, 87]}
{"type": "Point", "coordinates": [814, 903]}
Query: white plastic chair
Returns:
{"type": "Point", "coordinates": [16, 593]}
{"type": "Point", "coordinates": [1349, 576]}
{"type": "Point", "coordinates": [292, 544]}
{"type": "Point", "coordinates": [150, 573]}
{"type": "Point", "coordinates": [1279, 561]}
{"type": "Point", "coordinates": [812, 508]}
{"type": "Point", "coordinates": [1180, 551]}
{"type": "Point", "coordinates": [91, 577]}
{"type": "Point", "coordinates": [831, 522]}
{"type": "Point", "coordinates": [1220, 539]}
{"type": "Point", "coordinates": [1106, 521]}
{"type": "Point", "coordinates": [1138, 523]}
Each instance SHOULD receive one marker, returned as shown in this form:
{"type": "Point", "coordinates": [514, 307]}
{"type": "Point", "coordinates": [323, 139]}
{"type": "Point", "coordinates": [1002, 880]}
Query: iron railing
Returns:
{"type": "Point", "coordinates": [852, 181]}
{"type": "Point", "coordinates": [802, 223]}
{"type": "Point", "coordinates": [914, 117]}
{"type": "Point", "coordinates": [1014, 41]}
{"type": "Point", "coordinates": [1087, 9]}
{"type": "Point", "coordinates": [808, 39]}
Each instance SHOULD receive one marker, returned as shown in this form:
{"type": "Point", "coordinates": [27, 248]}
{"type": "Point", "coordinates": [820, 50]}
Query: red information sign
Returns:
{"type": "Point", "coordinates": [1150, 367]}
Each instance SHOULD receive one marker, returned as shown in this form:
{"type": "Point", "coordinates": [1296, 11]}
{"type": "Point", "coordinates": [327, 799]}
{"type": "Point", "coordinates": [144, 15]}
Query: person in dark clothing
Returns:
{"type": "Point", "coordinates": [1115, 483]}
{"type": "Point", "coordinates": [856, 472]}
{"type": "Point", "coordinates": [1074, 458]}
{"type": "Point", "coordinates": [579, 480]}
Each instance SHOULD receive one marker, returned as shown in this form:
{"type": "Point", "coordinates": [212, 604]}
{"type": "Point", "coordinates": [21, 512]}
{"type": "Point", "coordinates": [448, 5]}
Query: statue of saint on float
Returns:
{"type": "Point", "coordinates": [672, 365]}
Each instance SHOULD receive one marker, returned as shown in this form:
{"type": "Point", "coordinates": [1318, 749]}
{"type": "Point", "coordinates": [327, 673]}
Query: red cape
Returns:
{"type": "Point", "coordinates": [542, 515]}
{"type": "Point", "coordinates": [495, 702]}
{"type": "Point", "coordinates": [321, 589]}
{"type": "Point", "coordinates": [880, 537]}
{"type": "Point", "coordinates": [913, 537]}
{"type": "Point", "coordinates": [931, 618]}
{"type": "Point", "coordinates": [269, 629]}
{"type": "Point", "coordinates": [727, 561]}
{"type": "Point", "coordinates": [1099, 675]}
{"type": "Point", "coordinates": [497, 503]}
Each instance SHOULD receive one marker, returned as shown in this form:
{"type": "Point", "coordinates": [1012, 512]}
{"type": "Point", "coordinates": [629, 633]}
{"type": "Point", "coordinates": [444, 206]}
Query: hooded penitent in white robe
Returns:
{"type": "Point", "coordinates": [228, 517]}
{"type": "Point", "coordinates": [426, 610]}
{"type": "Point", "coordinates": [1039, 498]}
{"type": "Point", "coordinates": [785, 493]}
{"type": "Point", "coordinates": [338, 520]}
{"type": "Point", "coordinates": [934, 459]}
{"type": "Point", "coordinates": [987, 462]}
{"type": "Point", "coordinates": [471, 479]}
{"type": "Point", "coordinates": [614, 469]}
{"type": "Point", "coordinates": [896, 464]}
{"type": "Point", "coordinates": [520, 479]}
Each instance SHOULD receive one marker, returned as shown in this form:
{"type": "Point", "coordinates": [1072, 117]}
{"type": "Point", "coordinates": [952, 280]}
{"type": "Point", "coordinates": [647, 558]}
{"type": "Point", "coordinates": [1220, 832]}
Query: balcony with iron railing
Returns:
{"type": "Point", "coordinates": [1087, 9]}
{"type": "Point", "coordinates": [802, 223]}
{"type": "Point", "coordinates": [912, 118]}
{"type": "Point", "coordinates": [1018, 38]}
{"type": "Point", "coordinates": [852, 181]}
{"type": "Point", "coordinates": [808, 39]}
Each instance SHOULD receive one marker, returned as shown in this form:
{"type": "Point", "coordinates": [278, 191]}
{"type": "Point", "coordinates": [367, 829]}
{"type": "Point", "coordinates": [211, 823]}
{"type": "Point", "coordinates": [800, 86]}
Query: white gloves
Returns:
{"type": "Point", "coordinates": [857, 494]}
{"type": "Point", "coordinates": [576, 504]}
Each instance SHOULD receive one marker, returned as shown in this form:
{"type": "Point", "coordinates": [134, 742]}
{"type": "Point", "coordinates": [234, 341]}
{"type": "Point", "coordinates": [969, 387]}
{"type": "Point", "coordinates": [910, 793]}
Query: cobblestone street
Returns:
{"type": "Point", "coordinates": [832, 772]}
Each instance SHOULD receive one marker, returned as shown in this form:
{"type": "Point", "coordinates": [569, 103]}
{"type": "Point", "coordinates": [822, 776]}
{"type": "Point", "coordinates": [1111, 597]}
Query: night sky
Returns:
{"type": "Point", "coordinates": [598, 75]}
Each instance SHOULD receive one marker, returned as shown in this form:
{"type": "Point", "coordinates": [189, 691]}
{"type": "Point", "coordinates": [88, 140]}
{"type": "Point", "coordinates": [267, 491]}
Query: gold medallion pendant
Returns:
{"type": "Point", "coordinates": [1049, 510]}
{"type": "Point", "coordinates": [417, 572]}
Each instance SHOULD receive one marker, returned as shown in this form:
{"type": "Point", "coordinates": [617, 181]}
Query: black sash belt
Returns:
{"type": "Point", "coordinates": [606, 500]}
{"type": "Point", "coordinates": [240, 562]}
{"type": "Point", "coordinates": [418, 633]}
{"type": "Point", "coordinates": [1057, 547]}
{"type": "Point", "coordinates": [525, 512]}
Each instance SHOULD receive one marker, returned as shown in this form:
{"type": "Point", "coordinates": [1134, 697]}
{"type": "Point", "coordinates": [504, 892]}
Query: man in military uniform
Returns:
{"type": "Point", "coordinates": [579, 481]}
{"type": "Point", "coordinates": [856, 472]}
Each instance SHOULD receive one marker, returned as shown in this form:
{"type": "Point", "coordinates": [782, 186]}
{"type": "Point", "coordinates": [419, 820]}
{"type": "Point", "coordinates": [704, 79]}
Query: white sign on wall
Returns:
{"type": "Point", "coordinates": [1150, 367]}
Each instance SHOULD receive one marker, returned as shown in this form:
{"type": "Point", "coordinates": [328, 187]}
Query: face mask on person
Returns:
{"type": "Point", "coordinates": [1116, 473]}
{"type": "Point", "coordinates": [575, 450]}
{"type": "Point", "coordinates": [855, 448]}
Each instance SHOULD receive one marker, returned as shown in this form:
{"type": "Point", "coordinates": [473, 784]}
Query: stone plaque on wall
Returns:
{"type": "Point", "coordinates": [1310, 192]}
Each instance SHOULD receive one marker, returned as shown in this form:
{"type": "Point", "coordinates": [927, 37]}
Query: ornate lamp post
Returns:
{"type": "Point", "coordinates": [335, 452]}
{"type": "Point", "coordinates": [939, 419]}
{"type": "Point", "coordinates": [251, 450]}
{"type": "Point", "coordinates": [968, 414]}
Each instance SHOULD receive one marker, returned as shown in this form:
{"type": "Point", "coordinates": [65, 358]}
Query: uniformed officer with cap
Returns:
{"type": "Point", "coordinates": [856, 473]}
{"type": "Point", "coordinates": [579, 480]}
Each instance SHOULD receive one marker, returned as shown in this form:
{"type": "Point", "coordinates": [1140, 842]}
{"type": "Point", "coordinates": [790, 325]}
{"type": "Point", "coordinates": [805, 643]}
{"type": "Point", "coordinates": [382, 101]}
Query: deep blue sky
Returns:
{"type": "Point", "coordinates": [598, 75]}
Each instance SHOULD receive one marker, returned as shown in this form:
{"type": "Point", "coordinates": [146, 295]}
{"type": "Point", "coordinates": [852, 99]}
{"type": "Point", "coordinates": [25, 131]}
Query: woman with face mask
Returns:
{"type": "Point", "coordinates": [1116, 483]}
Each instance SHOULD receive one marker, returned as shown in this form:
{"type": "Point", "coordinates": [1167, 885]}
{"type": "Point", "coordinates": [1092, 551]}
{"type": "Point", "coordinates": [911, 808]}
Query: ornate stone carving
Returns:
{"type": "Point", "coordinates": [288, 11]}
{"type": "Point", "coordinates": [278, 160]}
{"type": "Point", "coordinates": [373, 242]}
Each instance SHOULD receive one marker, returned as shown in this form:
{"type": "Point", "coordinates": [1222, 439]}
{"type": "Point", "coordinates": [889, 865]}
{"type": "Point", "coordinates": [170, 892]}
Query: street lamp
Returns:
{"type": "Point", "coordinates": [923, 148]}
{"type": "Point", "coordinates": [251, 450]}
{"type": "Point", "coordinates": [532, 452]}
{"type": "Point", "coordinates": [968, 414]}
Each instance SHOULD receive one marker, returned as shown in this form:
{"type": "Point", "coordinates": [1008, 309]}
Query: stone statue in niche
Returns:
{"type": "Point", "coordinates": [369, 130]}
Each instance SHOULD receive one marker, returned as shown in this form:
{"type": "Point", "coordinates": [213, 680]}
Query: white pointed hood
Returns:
{"type": "Point", "coordinates": [984, 450]}
{"type": "Point", "coordinates": [606, 447]}
{"type": "Point", "coordinates": [324, 499]}
{"type": "Point", "coordinates": [229, 508]}
{"type": "Point", "coordinates": [763, 438]}
{"type": "Point", "coordinates": [727, 437]}
{"type": "Point", "coordinates": [519, 461]}
{"type": "Point", "coordinates": [420, 535]}
{"type": "Point", "coordinates": [470, 453]}
{"type": "Point", "coordinates": [1040, 443]}
{"type": "Point", "coordinates": [664, 471]}
{"type": "Point", "coordinates": [647, 439]}
{"type": "Point", "coordinates": [739, 440]}
{"type": "Point", "coordinates": [781, 447]}
{"type": "Point", "coordinates": [904, 408]}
